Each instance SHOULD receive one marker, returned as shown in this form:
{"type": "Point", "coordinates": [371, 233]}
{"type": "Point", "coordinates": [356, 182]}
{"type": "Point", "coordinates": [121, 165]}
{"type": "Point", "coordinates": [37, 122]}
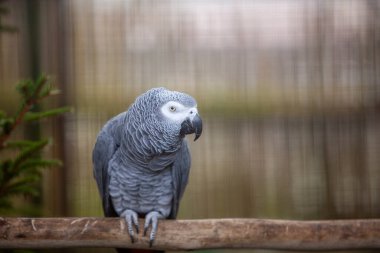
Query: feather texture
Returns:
{"type": "Point", "coordinates": [107, 143]}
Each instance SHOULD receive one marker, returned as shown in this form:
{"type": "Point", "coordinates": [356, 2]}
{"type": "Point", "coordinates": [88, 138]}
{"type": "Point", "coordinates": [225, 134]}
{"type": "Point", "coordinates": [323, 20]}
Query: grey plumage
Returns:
{"type": "Point", "coordinates": [141, 159]}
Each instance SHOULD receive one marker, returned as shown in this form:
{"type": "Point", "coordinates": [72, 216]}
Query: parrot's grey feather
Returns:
{"type": "Point", "coordinates": [162, 161]}
{"type": "Point", "coordinates": [107, 143]}
{"type": "Point", "coordinates": [180, 174]}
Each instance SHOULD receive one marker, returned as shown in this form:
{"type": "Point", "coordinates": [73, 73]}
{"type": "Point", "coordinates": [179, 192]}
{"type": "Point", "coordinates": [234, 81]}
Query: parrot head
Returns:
{"type": "Point", "coordinates": [174, 113]}
{"type": "Point", "coordinates": [181, 110]}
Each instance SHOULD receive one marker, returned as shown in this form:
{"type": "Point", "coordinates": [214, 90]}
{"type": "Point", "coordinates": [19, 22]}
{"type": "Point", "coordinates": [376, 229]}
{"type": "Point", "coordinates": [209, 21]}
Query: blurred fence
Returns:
{"type": "Point", "coordinates": [289, 92]}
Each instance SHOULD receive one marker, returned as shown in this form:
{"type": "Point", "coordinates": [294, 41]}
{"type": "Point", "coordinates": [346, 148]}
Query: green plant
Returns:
{"type": "Point", "coordinates": [20, 170]}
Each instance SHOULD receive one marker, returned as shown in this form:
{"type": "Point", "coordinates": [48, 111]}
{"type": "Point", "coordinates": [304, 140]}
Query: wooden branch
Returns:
{"type": "Point", "coordinates": [192, 234]}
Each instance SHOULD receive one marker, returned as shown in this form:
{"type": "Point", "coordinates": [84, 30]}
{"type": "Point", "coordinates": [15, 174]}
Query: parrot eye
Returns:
{"type": "Point", "coordinates": [172, 108]}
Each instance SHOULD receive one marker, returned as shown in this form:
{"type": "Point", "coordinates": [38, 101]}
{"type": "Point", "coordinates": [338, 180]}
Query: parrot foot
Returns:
{"type": "Point", "coordinates": [131, 218]}
{"type": "Point", "coordinates": [152, 218]}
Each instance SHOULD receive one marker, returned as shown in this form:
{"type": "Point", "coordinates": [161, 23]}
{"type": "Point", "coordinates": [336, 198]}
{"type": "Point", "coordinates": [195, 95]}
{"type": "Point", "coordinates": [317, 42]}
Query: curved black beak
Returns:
{"type": "Point", "coordinates": [190, 126]}
{"type": "Point", "coordinates": [197, 124]}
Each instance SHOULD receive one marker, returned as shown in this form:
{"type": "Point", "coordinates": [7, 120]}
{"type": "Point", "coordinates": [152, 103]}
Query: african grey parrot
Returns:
{"type": "Point", "coordinates": [142, 161]}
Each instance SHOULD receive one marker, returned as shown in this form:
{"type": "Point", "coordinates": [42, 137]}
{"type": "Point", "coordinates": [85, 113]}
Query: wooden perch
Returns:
{"type": "Point", "coordinates": [192, 234]}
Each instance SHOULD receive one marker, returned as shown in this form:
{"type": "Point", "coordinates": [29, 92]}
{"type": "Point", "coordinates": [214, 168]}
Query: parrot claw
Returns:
{"type": "Point", "coordinates": [152, 218]}
{"type": "Point", "coordinates": [137, 228]}
{"type": "Point", "coordinates": [145, 230]}
{"type": "Point", "coordinates": [131, 218]}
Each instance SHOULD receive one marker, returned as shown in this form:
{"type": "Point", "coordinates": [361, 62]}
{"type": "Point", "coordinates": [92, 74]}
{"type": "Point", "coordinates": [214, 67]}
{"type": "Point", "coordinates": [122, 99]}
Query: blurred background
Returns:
{"type": "Point", "coordinates": [288, 91]}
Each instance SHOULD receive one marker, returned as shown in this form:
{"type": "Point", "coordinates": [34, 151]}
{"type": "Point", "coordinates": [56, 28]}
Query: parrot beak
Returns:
{"type": "Point", "coordinates": [190, 126]}
{"type": "Point", "coordinates": [197, 124]}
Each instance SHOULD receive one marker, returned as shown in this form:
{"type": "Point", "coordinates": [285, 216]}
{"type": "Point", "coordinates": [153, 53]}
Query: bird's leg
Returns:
{"type": "Point", "coordinates": [131, 218]}
{"type": "Point", "coordinates": [152, 218]}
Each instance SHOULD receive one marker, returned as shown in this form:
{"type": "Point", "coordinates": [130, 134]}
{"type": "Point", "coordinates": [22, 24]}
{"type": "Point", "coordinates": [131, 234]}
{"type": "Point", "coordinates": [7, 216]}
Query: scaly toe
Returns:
{"type": "Point", "coordinates": [132, 221]}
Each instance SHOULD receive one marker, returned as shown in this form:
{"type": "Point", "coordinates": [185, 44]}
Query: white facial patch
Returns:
{"type": "Point", "coordinates": [178, 112]}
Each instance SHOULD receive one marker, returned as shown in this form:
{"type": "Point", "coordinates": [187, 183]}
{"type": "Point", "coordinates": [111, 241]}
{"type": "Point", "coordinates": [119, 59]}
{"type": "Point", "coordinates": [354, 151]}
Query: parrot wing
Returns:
{"type": "Point", "coordinates": [180, 175]}
{"type": "Point", "coordinates": [107, 143]}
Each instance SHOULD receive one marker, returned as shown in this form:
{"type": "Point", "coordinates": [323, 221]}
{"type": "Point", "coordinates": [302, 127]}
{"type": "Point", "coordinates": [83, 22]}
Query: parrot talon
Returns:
{"type": "Point", "coordinates": [152, 218]}
{"type": "Point", "coordinates": [132, 221]}
{"type": "Point", "coordinates": [137, 229]}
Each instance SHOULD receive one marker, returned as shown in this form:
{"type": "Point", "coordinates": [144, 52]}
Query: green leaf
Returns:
{"type": "Point", "coordinates": [25, 88]}
{"type": "Point", "coordinates": [6, 125]}
{"type": "Point", "coordinates": [23, 186]}
{"type": "Point", "coordinates": [31, 90]}
{"type": "Point", "coordinates": [27, 153]}
{"type": "Point", "coordinates": [40, 85]}
{"type": "Point", "coordinates": [30, 116]}
{"type": "Point", "coordinates": [5, 164]}
{"type": "Point", "coordinates": [41, 80]}
{"type": "Point", "coordinates": [20, 144]}
{"type": "Point", "coordinates": [6, 168]}
{"type": "Point", "coordinates": [36, 164]}
{"type": "Point", "coordinates": [45, 89]}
